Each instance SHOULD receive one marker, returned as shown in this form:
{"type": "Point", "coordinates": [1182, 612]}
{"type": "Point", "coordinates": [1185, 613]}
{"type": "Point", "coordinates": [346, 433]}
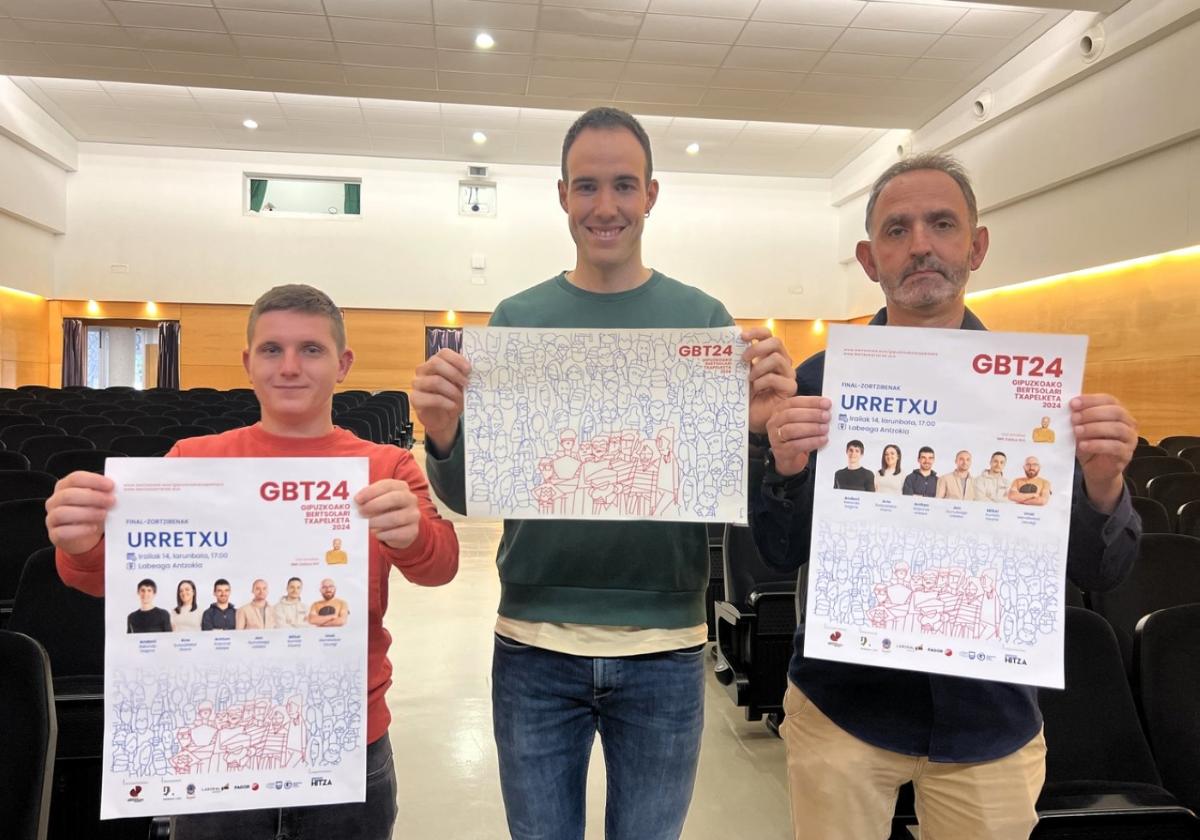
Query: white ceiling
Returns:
{"type": "Point", "coordinates": [317, 74]}
{"type": "Point", "coordinates": [127, 112]}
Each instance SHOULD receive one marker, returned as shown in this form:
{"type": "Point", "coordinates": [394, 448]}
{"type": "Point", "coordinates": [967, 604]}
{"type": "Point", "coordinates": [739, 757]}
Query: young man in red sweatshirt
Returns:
{"type": "Point", "coordinates": [296, 353]}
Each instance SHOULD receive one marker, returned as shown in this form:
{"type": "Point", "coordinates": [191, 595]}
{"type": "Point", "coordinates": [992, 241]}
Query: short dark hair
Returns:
{"type": "Point", "coordinates": [606, 119]}
{"type": "Point", "coordinates": [221, 582]}
{"type": "Point", "coordinates": [296, 297]}
{"type": "Point", "coordinates": [926, 161]}
{"type": "Point", "coordinates": [147, 582]}
{"type": "Point", "coordinates": [923, 450]}
{"type": "Point", "coordinates": [1001, 454]}
{"type": "Point", "coordinates": [295, 579]}
{"type": "Point", "coordinates": [857, 443]}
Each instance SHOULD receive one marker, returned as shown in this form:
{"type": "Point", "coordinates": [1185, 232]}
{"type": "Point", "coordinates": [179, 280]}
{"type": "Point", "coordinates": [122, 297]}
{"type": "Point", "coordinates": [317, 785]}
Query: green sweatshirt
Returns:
{"type": "Point", "coordinates": [638, 574]}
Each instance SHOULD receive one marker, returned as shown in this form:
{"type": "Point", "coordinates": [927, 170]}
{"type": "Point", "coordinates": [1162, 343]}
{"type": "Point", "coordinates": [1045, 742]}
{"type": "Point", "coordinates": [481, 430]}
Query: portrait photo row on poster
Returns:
{"type": "Point", "coordinates": [236, 657]}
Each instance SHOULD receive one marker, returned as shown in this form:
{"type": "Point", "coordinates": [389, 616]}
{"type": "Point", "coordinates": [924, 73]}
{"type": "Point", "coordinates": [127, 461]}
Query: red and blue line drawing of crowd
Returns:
{"type": "Point", "coordinates": [233, 718]}
{"type": "Point", "coordinates": [989, 485]}
{"type": "Point", "coordinates": [258, 613]}
{"type": "Point", "coordinates": [612, 426]}
{"type": "Point", "coordinates": [917, 581]}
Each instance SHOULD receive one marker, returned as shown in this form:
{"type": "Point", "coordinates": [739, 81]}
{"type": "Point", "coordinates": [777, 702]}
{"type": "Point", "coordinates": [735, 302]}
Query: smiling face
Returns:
{"type": "Point", "coordinates": [925, 461]}
{"type": "Point", "coordinates": [293, 363]}
{"type": "Point", "coordinates": [962, 461]}
{"type": "Point", "coordinates": [998, 463]}
{"type": "Point", "coordinates": [1045, 422]}
{"type": "Point", "coordinates": [607, 197]}
{"type": "Point", "coordinates": [890, 456]}
{"type": "Point", "coordinates": [923, 246]}
{"type": "Point", "coordinates": [1032, 467]}
{"type": "Point", "coordinates": [259, 590]}
{"type": "Point", "coordinates": [328, 590]}
{"type": "Point", "coordinates": [185, 594]}
{"type": "Point", "coordinates": [293, 589]}
{"type": "Point", "coordinates": [221, 593]}
{"type": "Point", "coordinates": [853, 456]}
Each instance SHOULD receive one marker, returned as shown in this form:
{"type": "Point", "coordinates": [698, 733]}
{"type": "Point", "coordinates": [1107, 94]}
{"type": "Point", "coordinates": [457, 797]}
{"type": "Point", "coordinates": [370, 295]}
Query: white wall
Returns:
{"type": "Point", "coordinates": [175, 218]}
{"type": "Point", "coordinates": [26, 257]}
{"type": "Point", "coordinates": [35, 153]}
{"type": "Point", "coordinates": [1102, 170]}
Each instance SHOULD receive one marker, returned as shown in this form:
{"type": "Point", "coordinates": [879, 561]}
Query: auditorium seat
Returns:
{"type": "Point", "coordinates": [40, 408]}
{"type": "Point", "coordinates": [103, 436]}
{"type": "Point", "coordinates": [25, 484]}
{"type": "Point", "coordinates": [27, 738]}
{"type": "Point", "coordinates": [1174, 444]}
{"type": "Point", "coordinates": [1174, 490]}
{"type": "Point", "coordinates": [1167, 665]}
{"type": "Point", "coordinates": [186, 416]}
{"type": "Point", "coordinates": [358, 425]}
{"type": "Point", "coordinates": [1189, 519]}
{"type": "Point", "coordinates": [372, 419]}
{"type": "Point", "coordinates": [14, 436]}
{"type": "Point", "coordinates": [12, 460]}
{"type": "Point", "coordinates": [122, 415]}
{"type": "Point", "coordinates": [716, 576]}
{"type": "Point", "coordinates": [51, 417]}
{"type": "Point", "coordinates": [62, 464]}
{"type": "Point", "coordinates": [19, 403]}
{"type": "Point", "coordinates": [22, 532]}
{"type": "Point", "coordinates": [142, 446]}
{"type": "Point", "coordinates": [190, 430]}
{"type": "Point", "coordinates": [756, 621]}
{"type": "Point", "coordinates": [1166, 574]}
{"type": "Point", "coordinates": [1153, 514]}
{"type": "Point", "coordinates": [74, 424]}
{"type": "Point", "coordinates": [38, 449]}
{"type": "Point", "coordinates": [1141, 470]}
{"type": "Point", "coordinates": [1192, 456]}
{"type": "Point", "coordinates": [157, 409]}
{"type": "Point", "coordinates": [151, 425]}
{"type": "Point", "coordinates": [1146, 450]}
{"type": "Point", "coordinates": [1101, 781]}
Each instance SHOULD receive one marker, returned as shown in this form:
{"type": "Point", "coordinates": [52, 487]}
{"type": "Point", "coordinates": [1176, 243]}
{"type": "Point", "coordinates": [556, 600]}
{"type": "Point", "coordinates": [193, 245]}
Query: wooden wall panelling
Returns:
{"type": "Point", "coordinates": [24, 357]}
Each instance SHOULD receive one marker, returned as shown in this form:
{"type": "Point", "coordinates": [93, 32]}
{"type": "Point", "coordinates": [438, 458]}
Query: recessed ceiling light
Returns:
{"type": "Point", "coordinates": [479, 137]}
{"type": "Point", "coordinates": [249, 123]}
{"type": "Point", "coordinates": [693, 148]}
{"type": "Point", "coordinates": [484, 41]}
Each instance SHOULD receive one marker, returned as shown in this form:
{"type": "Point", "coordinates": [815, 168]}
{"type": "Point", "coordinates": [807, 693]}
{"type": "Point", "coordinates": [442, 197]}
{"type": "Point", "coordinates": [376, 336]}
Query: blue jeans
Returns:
{"type": "Point", "coordinates": [370, 820]}
{"type": "Point", "coordinates": [547, 708]}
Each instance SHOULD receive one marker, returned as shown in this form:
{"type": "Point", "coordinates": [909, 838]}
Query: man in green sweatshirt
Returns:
{"type": "Point", "coordinates": [601, 625]}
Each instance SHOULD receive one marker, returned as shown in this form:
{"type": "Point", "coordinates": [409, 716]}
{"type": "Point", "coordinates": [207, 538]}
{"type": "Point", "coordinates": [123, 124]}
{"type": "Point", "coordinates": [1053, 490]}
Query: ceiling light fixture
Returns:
{"type": "Point", "coordinates": [250, 124]}
{"type": "Point", "coordinates": [484, 41]}
{"type": "Point", "coordinates": [479, 137]}
{"type": "Point", "coordinates": [693, 148]}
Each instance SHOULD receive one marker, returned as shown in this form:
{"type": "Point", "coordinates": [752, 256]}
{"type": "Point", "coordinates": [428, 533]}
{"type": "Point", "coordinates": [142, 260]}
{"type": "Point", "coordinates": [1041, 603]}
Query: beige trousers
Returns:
{"type": "Point", "coordinates": [843, 788]}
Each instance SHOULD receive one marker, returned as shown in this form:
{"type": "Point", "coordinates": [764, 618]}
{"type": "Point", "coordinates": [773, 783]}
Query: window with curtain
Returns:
{"type": "Point", "coordinates": [298, 197]}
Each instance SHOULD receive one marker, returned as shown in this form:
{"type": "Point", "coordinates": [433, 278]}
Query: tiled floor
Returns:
{"type": "Point", "coordinates": [442, 732]}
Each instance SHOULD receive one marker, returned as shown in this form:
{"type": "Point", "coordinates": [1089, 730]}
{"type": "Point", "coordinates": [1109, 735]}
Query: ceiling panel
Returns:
{"type": "Point", "coordinates": [123, 112]}
{"type": "Point", "coordinates": [869, 63]}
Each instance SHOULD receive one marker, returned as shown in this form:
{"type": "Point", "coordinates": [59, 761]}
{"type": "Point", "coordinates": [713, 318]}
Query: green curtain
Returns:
{"type": "Point", "coordinates": [258, 191]}
{"type": "Point", "coordinates": [353, 199]}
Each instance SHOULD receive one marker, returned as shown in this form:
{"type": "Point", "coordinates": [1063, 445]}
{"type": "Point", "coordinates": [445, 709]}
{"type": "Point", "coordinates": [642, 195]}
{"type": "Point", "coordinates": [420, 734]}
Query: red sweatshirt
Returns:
{"type": "Point", "coordinates": [430, 561]}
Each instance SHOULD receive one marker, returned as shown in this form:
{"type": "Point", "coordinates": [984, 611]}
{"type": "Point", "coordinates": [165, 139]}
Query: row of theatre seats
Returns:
{"type": "Point", "coordinates": [52, 641]}
{"type": "Point", "coordinates": [1123, 737]}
